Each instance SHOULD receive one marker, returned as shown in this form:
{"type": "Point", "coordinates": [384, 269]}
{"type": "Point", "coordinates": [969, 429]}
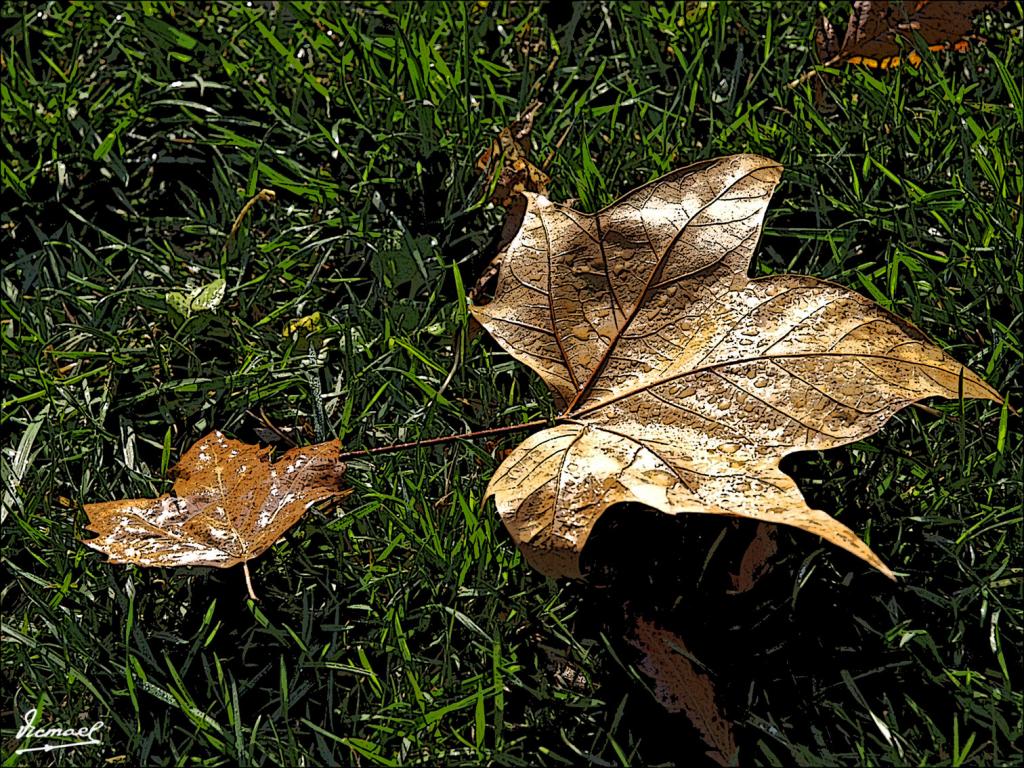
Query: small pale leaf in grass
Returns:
{"type": "Point", "coordinates": [304, 326]}
{"type": "Point", "coordinates": [205, 298]}
{"type": "Point", "coordinates": [684, 382]}
{"type": "Point", "coordinates": [229, 503]}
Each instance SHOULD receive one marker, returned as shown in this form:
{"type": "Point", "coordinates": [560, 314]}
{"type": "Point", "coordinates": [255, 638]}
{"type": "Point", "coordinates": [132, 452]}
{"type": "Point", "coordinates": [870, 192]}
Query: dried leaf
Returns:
{"type": "Point", "coordinates": [879, 32]}
{"type": "Point", "coordinates": [229, 503]}
{"type": "Point", "coordinates": [506, 165]}
{"type": "Point", "coordinates": [756, 561]}
{"type": "Point", "coordinates": [684, 382]}
{"type": "Point", "coordinates": [826, 40]}
{"type": "Point", "coordinates": [509, 172]}
{"type": "Point", "coordinates": [681, 687]}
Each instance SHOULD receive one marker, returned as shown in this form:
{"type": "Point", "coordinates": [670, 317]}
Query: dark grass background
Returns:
{"type": "Point", "coordinates": [402, 627]}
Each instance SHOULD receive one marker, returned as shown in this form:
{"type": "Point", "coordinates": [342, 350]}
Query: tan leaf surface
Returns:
{"type": "Point", "coordinates": [685, 382]}
{"type": "Point", "coordinates": [229, 503]}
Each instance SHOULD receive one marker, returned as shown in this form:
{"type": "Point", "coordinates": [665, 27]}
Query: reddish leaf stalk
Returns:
{"type": "Point", "coordinates": [346, 456]}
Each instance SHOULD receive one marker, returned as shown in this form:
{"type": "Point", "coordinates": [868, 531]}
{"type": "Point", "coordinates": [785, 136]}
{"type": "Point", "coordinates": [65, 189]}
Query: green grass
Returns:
{"type": "Point", "coordinates": [403, 627]}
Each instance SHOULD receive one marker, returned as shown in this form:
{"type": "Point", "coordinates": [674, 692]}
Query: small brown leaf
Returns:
{"type": "Point", "coordinates": [681, 687]}
{"type": "Point", "coordinates": [506, 165]}
{"type": "Point", "coordinates": [756, 561]}
{"type": "Point", "coordinates": [229, 503]}
{"type": "Point", "coordinates": [684, 381]}
{"type": "Point", "coordinates": [509, 172]}
{"type": "Point", "coordinates": [880, 32]}
{"type": "Point", "coordinates": [826, 40]}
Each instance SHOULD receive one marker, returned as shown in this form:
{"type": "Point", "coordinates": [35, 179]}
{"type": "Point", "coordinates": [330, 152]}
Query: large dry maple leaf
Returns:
{"type": "Point", "coordinates": [683, 381]}
{"type": "Point", "coordinates": [229, 503]}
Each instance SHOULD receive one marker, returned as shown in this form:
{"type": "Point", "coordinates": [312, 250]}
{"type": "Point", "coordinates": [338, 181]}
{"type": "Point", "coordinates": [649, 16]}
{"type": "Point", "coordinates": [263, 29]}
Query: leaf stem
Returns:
{"type": "Point", "coordinates": [345, 456]}
{"type": "Point", "coordinates": [814, 72]}
{"type": "Point", "coordinates": [248, 582]}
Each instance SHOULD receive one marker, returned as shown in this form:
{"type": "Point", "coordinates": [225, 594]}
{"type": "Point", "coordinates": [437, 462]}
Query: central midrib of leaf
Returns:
{"type": "Point", "coordinates": [714, 367]}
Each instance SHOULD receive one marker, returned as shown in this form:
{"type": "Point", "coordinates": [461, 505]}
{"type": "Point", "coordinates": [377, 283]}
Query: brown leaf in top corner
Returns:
{"type": "Point", "coordinates": [505, 162]}
{"type": "Point", "coordinates": [685, 381]}
{"type": "Point", "coordinates": [228, 504]}
{"type": "Point", "coordinates": [880, 31]}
